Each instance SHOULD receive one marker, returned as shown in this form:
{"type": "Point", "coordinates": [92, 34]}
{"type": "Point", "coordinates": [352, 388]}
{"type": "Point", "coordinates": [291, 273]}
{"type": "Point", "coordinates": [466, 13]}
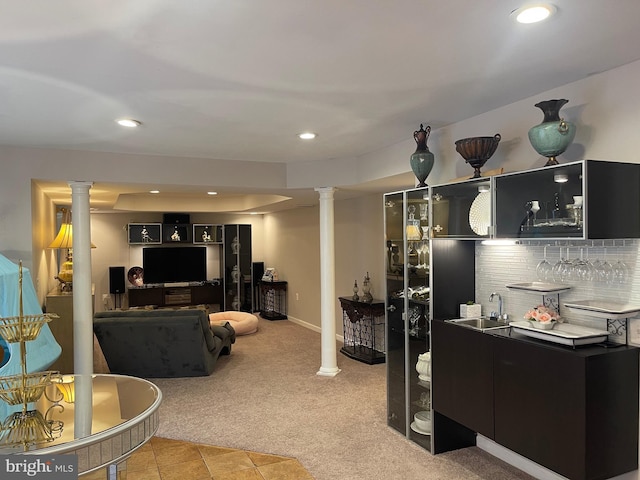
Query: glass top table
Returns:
{"type": "Point", "coordinates": [101, 418]}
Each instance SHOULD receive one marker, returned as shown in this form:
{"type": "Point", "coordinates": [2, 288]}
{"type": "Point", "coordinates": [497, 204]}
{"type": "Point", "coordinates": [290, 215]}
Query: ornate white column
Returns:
{"type": "Point", "coordinates": [82, 305]}
{"type": "Point", "coordinates": [329, 366]}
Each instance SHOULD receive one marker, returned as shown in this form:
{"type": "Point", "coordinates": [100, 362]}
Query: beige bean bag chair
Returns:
{"type": "Point", "coordinates": [243, 323]}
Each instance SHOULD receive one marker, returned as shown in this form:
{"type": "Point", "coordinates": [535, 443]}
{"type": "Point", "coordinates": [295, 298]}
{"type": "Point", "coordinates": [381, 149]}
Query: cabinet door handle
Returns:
{"type": "Point", "coordinates": [391, 308]}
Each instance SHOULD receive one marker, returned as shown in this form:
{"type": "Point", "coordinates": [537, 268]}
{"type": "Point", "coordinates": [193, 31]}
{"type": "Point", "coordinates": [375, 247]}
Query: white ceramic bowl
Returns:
{"type": "Point", "coordinates": [423, 420]}
{"type": "Point", "coordinates": [543, 326]}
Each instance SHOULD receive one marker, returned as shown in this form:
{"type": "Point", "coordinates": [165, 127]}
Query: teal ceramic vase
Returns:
{"type": "Point", "coordinates": [422, 160]}
{"type": "Point", "coordinates": [552, 137]}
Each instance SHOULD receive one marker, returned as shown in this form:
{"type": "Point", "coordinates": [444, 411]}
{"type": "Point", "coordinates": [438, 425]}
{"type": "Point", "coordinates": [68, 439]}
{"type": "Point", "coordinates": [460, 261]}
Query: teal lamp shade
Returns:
{"type": "Point", "coordinates": [422, 159]}
{"type": "Point", "coordinates": [42, 351]}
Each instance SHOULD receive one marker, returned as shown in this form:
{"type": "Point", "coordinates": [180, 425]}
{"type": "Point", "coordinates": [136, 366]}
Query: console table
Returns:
{"type": "Point", "coordinates": [61, 303]}
{"type": "Point", "coordinates": [124, 415]}
{"type": "Point", "coordinates": [363, 324]}
{"type": "Point", "coordinates": [273, 300]}
{"type": "Point", "coordinates": [169, 296]}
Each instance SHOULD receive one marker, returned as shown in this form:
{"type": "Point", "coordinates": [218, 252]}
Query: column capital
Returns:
{"type": "Point", "coordinates": [80, 182]}
{"type": "Point", "coordinates": [325, 192]}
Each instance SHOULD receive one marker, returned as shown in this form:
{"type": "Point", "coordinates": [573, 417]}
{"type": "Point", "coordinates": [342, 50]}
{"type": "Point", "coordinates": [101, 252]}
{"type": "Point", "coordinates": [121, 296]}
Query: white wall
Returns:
{"type": "Point", "coordinates": [603, 106]}
{"type": "Point", "coordinates": [293, 248]}
{"type": "Point", "coordinates": [497, 266]}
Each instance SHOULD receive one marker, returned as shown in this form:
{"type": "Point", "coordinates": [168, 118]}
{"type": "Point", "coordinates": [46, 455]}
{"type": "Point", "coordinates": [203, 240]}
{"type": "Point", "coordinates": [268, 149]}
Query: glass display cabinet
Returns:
{"type": "Point", "coordinates": [408, 289]}
{"type": "Point", "coordinates": [543, 203]}
{"type": "Point", "coordinates": [237, 268]}
{"type": "Point", "coordinates": [588, 199]}
{"type": "Point", "coordinates": [420, 272]}
{"type": "Point", "coordinates": [207, 233]}
{"type": "Point", "coordinates": [463, 210]}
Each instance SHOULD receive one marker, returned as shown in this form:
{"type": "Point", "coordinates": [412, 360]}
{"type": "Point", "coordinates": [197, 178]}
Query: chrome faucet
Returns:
{"type": "Point", "coordinates": [498, 314]}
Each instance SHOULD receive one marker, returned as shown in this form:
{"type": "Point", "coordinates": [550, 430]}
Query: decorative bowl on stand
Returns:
{"type": "Point", "coordinates": [477, 150]}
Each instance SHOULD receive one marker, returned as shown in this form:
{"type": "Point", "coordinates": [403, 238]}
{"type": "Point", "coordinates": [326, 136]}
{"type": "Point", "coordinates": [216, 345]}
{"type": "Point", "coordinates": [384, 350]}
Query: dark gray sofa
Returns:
{"type": "Point", "coordinates": [161, 343]}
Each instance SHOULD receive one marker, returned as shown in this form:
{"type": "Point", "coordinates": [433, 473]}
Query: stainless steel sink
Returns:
{"type": "Point", "coordinates": [480, 323]}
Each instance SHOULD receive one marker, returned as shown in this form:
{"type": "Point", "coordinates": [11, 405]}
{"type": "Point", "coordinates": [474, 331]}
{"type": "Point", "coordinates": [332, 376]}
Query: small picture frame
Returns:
{"type": "Point", "coordinates": [270, 275]}
{"type": "Point", "coordinates": [145, 233]}
{"type": "Point", "coordinates": [206, 233]}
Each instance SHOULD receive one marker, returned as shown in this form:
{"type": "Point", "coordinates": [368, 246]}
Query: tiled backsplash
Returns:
{"type": "Point", "coordinates": [499, 265]}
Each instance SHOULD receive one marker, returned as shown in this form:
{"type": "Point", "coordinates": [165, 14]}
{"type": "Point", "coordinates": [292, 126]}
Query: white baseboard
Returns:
{"type": "Point", "coordinates": [310, 326]}
{"type": "Point", "coordinates": [532, 468]}
{"type": "Point", "coordinates": [518, 461]}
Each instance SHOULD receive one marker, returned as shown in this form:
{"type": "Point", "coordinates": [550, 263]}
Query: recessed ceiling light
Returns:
{"type": "Point", "coordinates": [307, 135]}
{"type": "Point", "coordinates": [533, 13]}
{"type": "Point", "coordinates": [128, 122]}
{"type": "Point", "coordinates": [154, 191]}
{"type": "Point", "coordinates": [212, 193]}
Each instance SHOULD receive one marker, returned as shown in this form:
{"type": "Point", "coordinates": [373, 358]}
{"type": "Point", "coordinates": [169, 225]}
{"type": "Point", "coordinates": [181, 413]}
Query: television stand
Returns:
{"type": "Point", "coordinates": [173, 296]}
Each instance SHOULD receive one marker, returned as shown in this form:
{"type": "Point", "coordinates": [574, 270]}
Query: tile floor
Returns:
{"type": "Point", "coordinates": [166, 459]}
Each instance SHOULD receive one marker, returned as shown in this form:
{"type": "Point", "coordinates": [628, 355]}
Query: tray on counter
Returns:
{"type": "Point", "coordinates": [563, 333]}
{"type": "Point", "coordinates": [603, 309]}
{"type": "Point", "coordinates": [540, 287]}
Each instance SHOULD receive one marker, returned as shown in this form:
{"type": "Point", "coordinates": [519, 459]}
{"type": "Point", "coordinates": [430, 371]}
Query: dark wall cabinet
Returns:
{"type": "Point", "coordinates": [462, 210]}
{"type": "Point", "coordinates": [463, 376]}
{"type": "Point", "coordinates": [587, 199]}
{"type": "Point", "coordinates": [176, 296]}
{"type": "Point", "coordinates": [574, 411]}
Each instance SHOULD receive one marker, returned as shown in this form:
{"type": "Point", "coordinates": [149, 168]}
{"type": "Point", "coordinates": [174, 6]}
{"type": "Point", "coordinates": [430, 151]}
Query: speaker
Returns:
{"type": "Point", "coordinates": [181, 218]}
{"type": "Point", "coordinates": [257, 272]}
{"type": "Point", "coordinates": [116, 279]}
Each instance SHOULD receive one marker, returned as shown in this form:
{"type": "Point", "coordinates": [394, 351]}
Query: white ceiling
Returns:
{"type": "Point", "coordinates": [238, 79]}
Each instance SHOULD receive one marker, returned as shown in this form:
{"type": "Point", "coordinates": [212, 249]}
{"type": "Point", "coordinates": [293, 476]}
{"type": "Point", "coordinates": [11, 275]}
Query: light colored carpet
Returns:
{"type": "Point", "coordinates": [266, 397]}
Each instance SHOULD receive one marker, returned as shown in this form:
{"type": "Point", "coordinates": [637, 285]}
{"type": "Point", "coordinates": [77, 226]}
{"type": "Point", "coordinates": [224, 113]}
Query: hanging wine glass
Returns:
{"type": "Point", "coordinates": [596, 268]}
{"type": "Point", "coordinates": [544, 268]}
{"type": "Point", "coordinates": [569, 268]}
{"type": "Point", "coordinates": [556, 271]}
{"type": "Point", "coordinates": [620, 271]}
{"type": "Point", "coordinates": [583, 268]}
{"type": "Point", "coordinates": [605, 270]}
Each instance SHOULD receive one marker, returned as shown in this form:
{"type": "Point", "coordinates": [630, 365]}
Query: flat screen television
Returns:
{"type": "Point", "coordinates": [174, 264]}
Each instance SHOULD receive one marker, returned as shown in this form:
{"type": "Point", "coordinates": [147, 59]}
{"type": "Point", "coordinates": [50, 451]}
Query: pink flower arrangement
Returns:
{"type": "Point", "coordinates": [542, 314]}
